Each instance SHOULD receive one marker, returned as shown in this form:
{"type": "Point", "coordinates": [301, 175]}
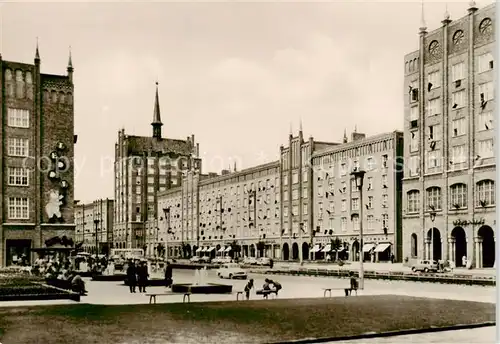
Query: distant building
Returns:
{"type": "Point", "coordinates": [93, 219]}
{"type": "Point", "coordinates": [449, 183]}
{"type": "Point", "coordinates": [37, 154]}
{"type": "Point", "coordinates": [145, 166]}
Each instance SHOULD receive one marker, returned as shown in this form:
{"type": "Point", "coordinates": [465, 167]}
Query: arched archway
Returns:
{"type": "Point", "coordinates": [295, 251]}
{"type": "Point", "coordinates": [188, 250]}
{"type": "Point", "coordinates": [487, 251]}
{"type": "Point", "coordinates": [252, 250]}
{"type": "Point", "coordinates": [414, 246]}
{"type": "Point", "coordinates": [195, 249]}
{"type": "Point", "coordinates": [286, 251]}
{"type": "Point", "coordinates": [435, 251]}
{"type": "Point", "coordinates": [305, 251]}
{"type": "Point", "coordinates": [355, 251]}
{"type": "Point", "coordinates": [458, 245]}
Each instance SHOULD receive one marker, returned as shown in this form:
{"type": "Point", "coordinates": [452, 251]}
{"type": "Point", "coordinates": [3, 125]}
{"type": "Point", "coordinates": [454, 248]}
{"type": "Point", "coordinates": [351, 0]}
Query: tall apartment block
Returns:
{"type": "Point", "coordinates": [272, 209]}
{"type": "Point", "coordinates": [145, 166]}
{"type": "Point", "coordinates": [94, 226]}
{"type": "Point", "coordinates": [449, 180]}
{"type": "Point", "coordinates": [36, 151]}
{"type": "Point", "coordinates": [337, 202]}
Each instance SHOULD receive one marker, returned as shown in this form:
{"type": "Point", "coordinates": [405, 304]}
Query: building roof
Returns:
{"type": "Point", "coordinates": [136, 145]}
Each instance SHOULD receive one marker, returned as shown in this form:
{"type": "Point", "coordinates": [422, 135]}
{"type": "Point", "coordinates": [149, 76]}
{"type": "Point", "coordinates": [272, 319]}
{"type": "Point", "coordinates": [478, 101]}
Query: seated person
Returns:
{"type": "Point", "coordinates": [266, 288]}
{"type": "Point", "coordinates": [77, 284]}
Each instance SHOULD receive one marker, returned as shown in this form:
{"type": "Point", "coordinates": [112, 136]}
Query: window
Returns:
{"type": "Point", "coordinates": [433, 107]}
{"type": "Point", "coordinates": [434, 198]}
{"type": "Point", "coordinates": [414, 141]}
{"type": "Point", "coordinates": [370, 202]}
{"type": "Point", "coordinates": [285, 211]}
{"type": "Point", "coordinates": [485, 148]}
{"type": "Point", "coordinates": [332, 208]}
{"type": "Point", "coordinates": [458, 99]}
{"type": "Point", "coordinates": [434, 79]}
{"type": "Point", "coordinates": [458, 71]}
{"type": "Point", "coordinates": [355, 222]}
{"type": "Point", "coordinates": [354, 188]}
{"type": "Point", "coordinates": [355, 204]}
{"type": "Point", "coordinates": [343, 224]}
{"type": "Point", "coordinates": [320, 209]}
{"type": "Point", "coordinates": [485, 121]}
{"type": "Point", "coordinates": [370, 164]}
{"type": "Point", "coordinates": [344, 186]}
{"type": "Point", "coordinates": [458, 154]}
{"type": "Point", "coordinates": [484, 63]}
{"type": "Point", "coordinates": [18, 208]}
{"type": "Point", "coordinates": [458, 196]}
{"type": "Point", "coordinates": [19, 118]}
{"type": "Point", "coordinates": [304, 209]}
{"type": "Point", "coordinates": [285, 196]}
{"type": "Point", "coordinates": [414, 91]}
{"type": "Point", "coordinates": [486, 91]}
{"type": "Point", "coordinates": [414, 247]}
{"type": "Point", "coordinates": [414, 113]}
{"type": "Point", "coordinates": [385, 184]}
{"type": "Point", "coordinates": [434, 159]}
{"type": "Point", "coordinates": [304, 176]}
{"type": "Point", "coordinates": [371, 222]}
{"type": "Point", "coordinates": [385, 159]}
{"type": "Point", "coordinates": [485, 193]}
{"type": "Point", "coordinates": [18, 176]}
{"type": "Point", "coordinates": [285, 179]}
{"type": "Point", "coordinates": [18, 146]}
{"type": "Point", "coordinates": [344, 205]}
{"type": "Point", "coordinates": [295, 178]}
{"type": "Point", "coordinates": [370, 183]}
{"type": "Point", "coordinates": [305, 193]}
{"type": "Point", "coordinates": [331, 224]}
{"type": "Point", "coordinates": [295, 210]}
{"type": "Point", "coordinates": [343, 169]}
{"type": "Point", "coordinates": [385, 200]}
{"type": "Point", "coordinates": [295, 194]}
{"type": "Point", "coordinates": [320, 191]}
{"type": "Point", "coordinates": [413, 201]}
{"type": "Point", "coordinates": [434, 132]}
{"type": "Point", "coordinates": [459, 127]}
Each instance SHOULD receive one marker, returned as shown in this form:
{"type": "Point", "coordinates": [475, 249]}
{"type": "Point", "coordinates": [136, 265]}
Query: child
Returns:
{"type": "Point", "coordinates": [247, 288]}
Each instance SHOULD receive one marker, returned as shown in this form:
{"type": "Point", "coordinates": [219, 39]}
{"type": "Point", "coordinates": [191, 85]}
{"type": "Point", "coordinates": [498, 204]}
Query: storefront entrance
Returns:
{"type": "Point", "coordinates": [17, 250]}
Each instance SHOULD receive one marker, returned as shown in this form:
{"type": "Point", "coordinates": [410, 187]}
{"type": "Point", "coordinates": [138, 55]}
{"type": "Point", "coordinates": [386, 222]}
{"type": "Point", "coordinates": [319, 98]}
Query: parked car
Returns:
{"type": "Point", "coordinates": [195, 259]}
{"type": "Point", "coordinates": [425, 265]}
{"type": "Point", "coordinates": [231, 270]}
{"type": "Point", "coordinates": [264, 261]}
{"type": "Point", "coordinates": [250, 261]}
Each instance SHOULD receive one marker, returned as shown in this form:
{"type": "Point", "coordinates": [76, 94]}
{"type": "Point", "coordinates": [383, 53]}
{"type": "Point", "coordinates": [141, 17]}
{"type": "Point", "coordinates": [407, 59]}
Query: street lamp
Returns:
{"type": "Point", "coordinates": [96, 222]}
{"type": "Point", "coordinates": [358, 176]}
{"type": "Point", "coordinates": [433, 217]}
{"type": "Point", "coordinates": [166, 212]}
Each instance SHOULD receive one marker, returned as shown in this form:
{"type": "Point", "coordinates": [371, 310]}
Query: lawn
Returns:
{"type": "Point", "coordinates": [230, 322]}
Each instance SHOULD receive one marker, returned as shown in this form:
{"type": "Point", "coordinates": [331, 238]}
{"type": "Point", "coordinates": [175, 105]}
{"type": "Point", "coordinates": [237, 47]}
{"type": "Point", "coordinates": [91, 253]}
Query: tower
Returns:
{"type": "Point", "coordinates": [157, 124]}
{"type": "Point", "coordinates": [70, 67]}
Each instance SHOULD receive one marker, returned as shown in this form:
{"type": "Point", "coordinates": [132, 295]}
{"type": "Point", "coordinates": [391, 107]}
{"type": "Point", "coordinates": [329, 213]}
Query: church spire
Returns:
{"type": "Point", "coordinates": [37, 53]}
{"type": "Point", "coordinates": [344, 140]}
{"type": "Point", "coordinates": [70, 66]}
{"type": "Point", "coordinates": [157, 124]}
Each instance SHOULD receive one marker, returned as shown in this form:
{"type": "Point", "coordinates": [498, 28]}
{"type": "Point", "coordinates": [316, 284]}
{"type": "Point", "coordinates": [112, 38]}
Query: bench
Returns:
{"type": "Point", "coordinates": [152, 297]}
{"type": "Point", "coordinates": [347, 291]}
{"type": "Point", "coordinates": [238, 293]}
{"type": "Point", "coordinates": [266, 293]}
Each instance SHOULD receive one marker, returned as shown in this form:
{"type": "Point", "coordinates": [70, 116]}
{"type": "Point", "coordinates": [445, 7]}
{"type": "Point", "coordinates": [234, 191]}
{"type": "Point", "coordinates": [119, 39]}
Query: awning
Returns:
{"type": "Point", "coordinates": [211, 249]}
{"type": "Point", "coordinates": [204, 249]}
{"type": "Point", "coordinates": [327, 248]}
{"type": "Point", "coordinates": [228, 249]}
{"type": "Point", "coordinates": [222, 249]}
{"type": "Point", "coordinates": [316, 248]}
{"type": "Point", "coordinates": [368, 247]}
{"type": "Point", "coordinates": [382, 247]}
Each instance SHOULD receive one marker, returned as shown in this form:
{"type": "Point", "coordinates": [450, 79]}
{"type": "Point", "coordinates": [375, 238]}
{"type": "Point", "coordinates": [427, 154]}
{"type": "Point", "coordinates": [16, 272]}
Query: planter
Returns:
{"type": "Point", "coordinates": [209, 288]}
{"type": "Point", "coordinates": [154, 282]}
{"type": "Point", "coordinates": [109, 278]}
{"type": "Point", "coordinates": [35, 292]}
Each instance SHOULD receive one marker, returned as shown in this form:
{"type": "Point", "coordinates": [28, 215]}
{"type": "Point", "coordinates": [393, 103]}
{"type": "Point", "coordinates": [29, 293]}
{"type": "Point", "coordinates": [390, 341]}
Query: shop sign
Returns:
{"type": "Point", "coordinates": [468, 222]}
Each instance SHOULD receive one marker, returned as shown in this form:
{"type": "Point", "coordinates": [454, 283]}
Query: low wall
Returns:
{"type": "Point", "coordinates": [448, 278]}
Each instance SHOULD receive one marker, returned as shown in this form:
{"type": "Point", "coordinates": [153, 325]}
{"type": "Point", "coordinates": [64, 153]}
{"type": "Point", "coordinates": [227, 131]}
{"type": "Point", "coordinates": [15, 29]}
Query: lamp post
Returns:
{"type": "Point", "coordinates": [252, 194]}
{"type": "Point", "coordinates": [433, 217]}
{"type": "Point", "coordinates": [96, 221]}
{"type": "Point", "coordinates": [166, 212]}
{"type": "Point", "coordinates": [358, 176]}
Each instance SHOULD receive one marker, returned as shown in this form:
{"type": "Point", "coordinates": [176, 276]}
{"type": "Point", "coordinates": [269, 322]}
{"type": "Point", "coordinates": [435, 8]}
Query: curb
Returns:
{"type": "Point", "coordinates": [368, 335]}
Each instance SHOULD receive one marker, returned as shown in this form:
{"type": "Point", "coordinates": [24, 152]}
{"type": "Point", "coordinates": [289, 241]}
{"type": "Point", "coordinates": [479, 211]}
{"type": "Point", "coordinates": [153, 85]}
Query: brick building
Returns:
{"type": "Point", "coordinates": [269, 210]}
{"type": "Point", "coordinates": [336, 199]}
{"type": "Point", "coordinates": [145, 166]}
{"type": "Point", "coordinates": [87, 215]}
{"type": "Point", "coordinates": [37, 145]}
{"type": "Point", "coordinates": [449, 181]}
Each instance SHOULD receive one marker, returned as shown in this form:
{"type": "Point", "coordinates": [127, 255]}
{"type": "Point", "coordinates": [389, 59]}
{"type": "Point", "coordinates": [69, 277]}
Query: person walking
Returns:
{"type": "Point", "coordinates": [168, 275]}
{"type": "Point", "coordinates": [142, 277]}
{"type": "Point", "coordinates": [248, 287]}
{"type": "Point", "coordinates": [131, 276]}
{"type": "Point", "coordinates": [271, 263]}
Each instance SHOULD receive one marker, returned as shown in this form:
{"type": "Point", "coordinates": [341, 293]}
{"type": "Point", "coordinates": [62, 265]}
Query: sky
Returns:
{"type": "Point", "coordinates": [235, 74]}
